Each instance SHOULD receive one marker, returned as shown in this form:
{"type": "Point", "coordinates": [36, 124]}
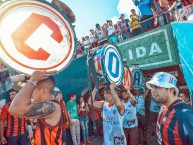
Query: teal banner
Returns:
{"type": "Point", "coordinates": [183, 34]}
{"type": "Point", "coordinates": [151, 50]}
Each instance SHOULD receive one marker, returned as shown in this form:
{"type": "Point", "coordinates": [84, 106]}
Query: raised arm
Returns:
{"type": "Point", "coordinates": [116, 99]}
{"type": "Point", "coordinates": [146, 93]}
{"type": "Point", "coordinates": [132, 97]}
{"type": "Point", "coordinates": [97, 104]}
{"type": "Point", "coordinates": [23, 107]}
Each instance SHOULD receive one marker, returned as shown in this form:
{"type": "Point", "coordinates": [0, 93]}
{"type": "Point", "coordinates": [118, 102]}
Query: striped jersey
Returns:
{"type": "Point", "coordinates": [158, 8]}
{"type": "Point", "coordinates": [113, 126]}
{"type": "Point", "coordinates": [46, 134]}
{"type": "Point", "coordinates": [187, 6]}
{"type": "Point", "coordinates": [175, 124]}
{"type": "Point", "coordinates": [130, 115]}
{"type": "Point", "coordinates": [15, 125]}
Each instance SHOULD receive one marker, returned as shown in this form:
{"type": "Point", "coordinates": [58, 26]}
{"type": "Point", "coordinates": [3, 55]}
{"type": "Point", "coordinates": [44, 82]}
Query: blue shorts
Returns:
{"type": "Point", "coordinates": [149, 24]}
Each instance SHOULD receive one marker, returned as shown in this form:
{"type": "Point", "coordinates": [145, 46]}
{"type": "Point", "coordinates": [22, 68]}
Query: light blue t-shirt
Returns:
{"type": "Point", "coordinates": [154, 107]}
{"type": "Point", "coordinates": [140, 106]}
{"type": "Point", "coordinates": [130, 116]}
{"type": "Point", "coordinates": [113, 126]}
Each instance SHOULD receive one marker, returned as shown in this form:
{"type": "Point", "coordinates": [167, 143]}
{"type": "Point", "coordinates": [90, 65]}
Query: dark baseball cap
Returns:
{"type": "Point", "coordinates": [122, 15]}
{"type": "Point", "coordinates": [132, 10]}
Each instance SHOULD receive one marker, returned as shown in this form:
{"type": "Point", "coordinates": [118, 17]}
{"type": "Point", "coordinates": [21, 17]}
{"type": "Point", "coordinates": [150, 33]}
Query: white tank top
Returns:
{"type": "Point", "coordinates": [154, 107]}
{"type": "Point", "coordinates": [140, 106]}
{"type": "Point", "coordinates": [92, 38]}
{"type": "Point", "coordinates": [99, 34]}
{"type": "Point", "coordinates": [113, 126]}
{"type": "Point", "coordinates": [110, 30]}
{"type": "Point", "coordinates": [130, 115]}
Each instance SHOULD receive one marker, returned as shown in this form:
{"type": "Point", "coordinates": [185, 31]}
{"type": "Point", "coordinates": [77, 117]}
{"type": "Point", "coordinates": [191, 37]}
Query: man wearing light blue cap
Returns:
{"type": "Point", "coordinates": [175, 120]}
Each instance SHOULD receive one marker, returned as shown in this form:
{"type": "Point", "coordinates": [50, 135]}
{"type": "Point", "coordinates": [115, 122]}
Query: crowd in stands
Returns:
{"type": "Point", "coordinates": [151, 15]}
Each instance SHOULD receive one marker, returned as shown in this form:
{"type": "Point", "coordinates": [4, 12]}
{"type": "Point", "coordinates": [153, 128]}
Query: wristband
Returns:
{"type": "Point", "coordinates": [34, 83]}
{"type": "Point", "coordinates": [26, 78]}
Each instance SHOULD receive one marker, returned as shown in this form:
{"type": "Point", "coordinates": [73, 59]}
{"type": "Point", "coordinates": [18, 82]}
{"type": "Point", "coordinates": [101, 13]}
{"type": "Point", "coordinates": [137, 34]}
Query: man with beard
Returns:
{"type": "Point", "coordinates": [175, 120]}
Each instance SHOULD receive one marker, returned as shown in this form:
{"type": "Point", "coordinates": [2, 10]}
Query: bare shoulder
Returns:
{"type": "Point", "coordinates": [43, 110]}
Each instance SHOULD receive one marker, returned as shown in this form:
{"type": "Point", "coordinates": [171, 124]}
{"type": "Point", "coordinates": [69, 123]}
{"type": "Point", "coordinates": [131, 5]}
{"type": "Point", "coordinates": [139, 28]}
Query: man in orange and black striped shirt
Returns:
{"type": "Point", "coordinates": [187, 6]}
{"type": "Point", "coordinates": [16, 133]}
{"type": "Point", "coordinates": [44, 108]}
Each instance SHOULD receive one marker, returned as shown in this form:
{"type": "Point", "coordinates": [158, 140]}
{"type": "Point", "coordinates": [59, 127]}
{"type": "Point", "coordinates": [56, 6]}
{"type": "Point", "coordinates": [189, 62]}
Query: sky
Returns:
{"type": "Point", "coordinates": [90, 12]}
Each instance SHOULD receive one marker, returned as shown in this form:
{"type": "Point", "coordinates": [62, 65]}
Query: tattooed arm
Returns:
{"type": "Point", "coordinates": [116, 99]}
{"type": "Point", "coordinates": [23, 107]}
{"type": "Point", "coordinates": [40, 110]}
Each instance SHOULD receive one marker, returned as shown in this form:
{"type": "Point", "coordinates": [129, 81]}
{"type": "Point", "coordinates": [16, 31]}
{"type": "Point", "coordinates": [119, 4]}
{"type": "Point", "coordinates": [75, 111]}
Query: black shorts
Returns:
{"type": "Point", "coordinates": [142, 122]}
{"type": "Point", "coordinates": [149, 24]}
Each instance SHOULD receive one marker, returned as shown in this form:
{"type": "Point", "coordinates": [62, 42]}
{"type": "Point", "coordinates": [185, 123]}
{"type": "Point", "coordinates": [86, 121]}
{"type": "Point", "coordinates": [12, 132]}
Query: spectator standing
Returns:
{"type": "Point", "coordinates": [111, 28]}
{"type": "Point", "coordinates": [86, 44]}
{"type": "Point", "coordinates": [186, 98]}
{"type": "Point", "coordinates": [79, 49]}
{"type": "Point", "coordinates": [113, 111]}
{"type": "Point", "coordinates": [163, 18]}
{"type": "Point", "coordinates": [111, 31]}
{"type": "Point", "coordinates": [92, 38]}
{"type": "Point", "coordinates": [44, 108]}
{"type": "Point", "coordinates": [124, 27]}
{"type": "Point", "coordinates": [99, 33]}
{"type": "Point", "coordinates": [140, 106]}
{"type": "Point", "coordinates": [74, 119]}
{"type": "Point", "coordinates": [186, 5]}
{"type": "Point", "coordinates": [146, 12]}
{"type": "Point", "coordinates": [134, 23]}
{"type": "Point", "coordinates": [130, 123]}
{"type": "Point", "coordinates": [175, 120]}
{"type": "Point", "coordinates": [104, 28]}
{"type": "Point", "coordinates": [154, 110]}
{"type": "Point", "coordinates": [97, 118]}
{"type": "Point", "coordinates": [58, 96]}
{"type": "Point", "coordinates": [16, 132]}
{"type": "Point", "coordinates": [83, 111]}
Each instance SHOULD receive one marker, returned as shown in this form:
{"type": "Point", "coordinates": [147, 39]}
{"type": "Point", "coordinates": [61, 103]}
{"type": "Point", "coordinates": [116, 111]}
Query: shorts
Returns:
{"type": "Point", "coordinates": [149, 24]}
{"type": "Point", "coordinates": [63, 136]}
{"type": "Point", "coordinates": [142, 122]}
{"type": "Point", "coordinates": [153, 117]}
{"type": "Point", "coordinates": [21, 139]}
{"type": "Point", "coordinates": [131, 135]}
{"type": "Point", "coordinates": [136, 32]}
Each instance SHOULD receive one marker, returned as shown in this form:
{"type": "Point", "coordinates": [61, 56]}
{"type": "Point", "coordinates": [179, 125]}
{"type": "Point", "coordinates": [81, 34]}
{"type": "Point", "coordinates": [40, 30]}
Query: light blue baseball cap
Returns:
{"type": "Point", "coordinates": [56, 91]}
{"type": "Point", "coordinates": [164, 80]}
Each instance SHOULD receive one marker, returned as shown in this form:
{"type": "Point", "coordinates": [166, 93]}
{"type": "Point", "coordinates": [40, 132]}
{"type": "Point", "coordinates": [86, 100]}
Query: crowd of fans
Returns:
{"type": "Point", "coordinates": [78, 114]}
{"type": "Point", "coordinates": [133, 101]}
{"type": "Point", "coordinates": [151, 16]}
